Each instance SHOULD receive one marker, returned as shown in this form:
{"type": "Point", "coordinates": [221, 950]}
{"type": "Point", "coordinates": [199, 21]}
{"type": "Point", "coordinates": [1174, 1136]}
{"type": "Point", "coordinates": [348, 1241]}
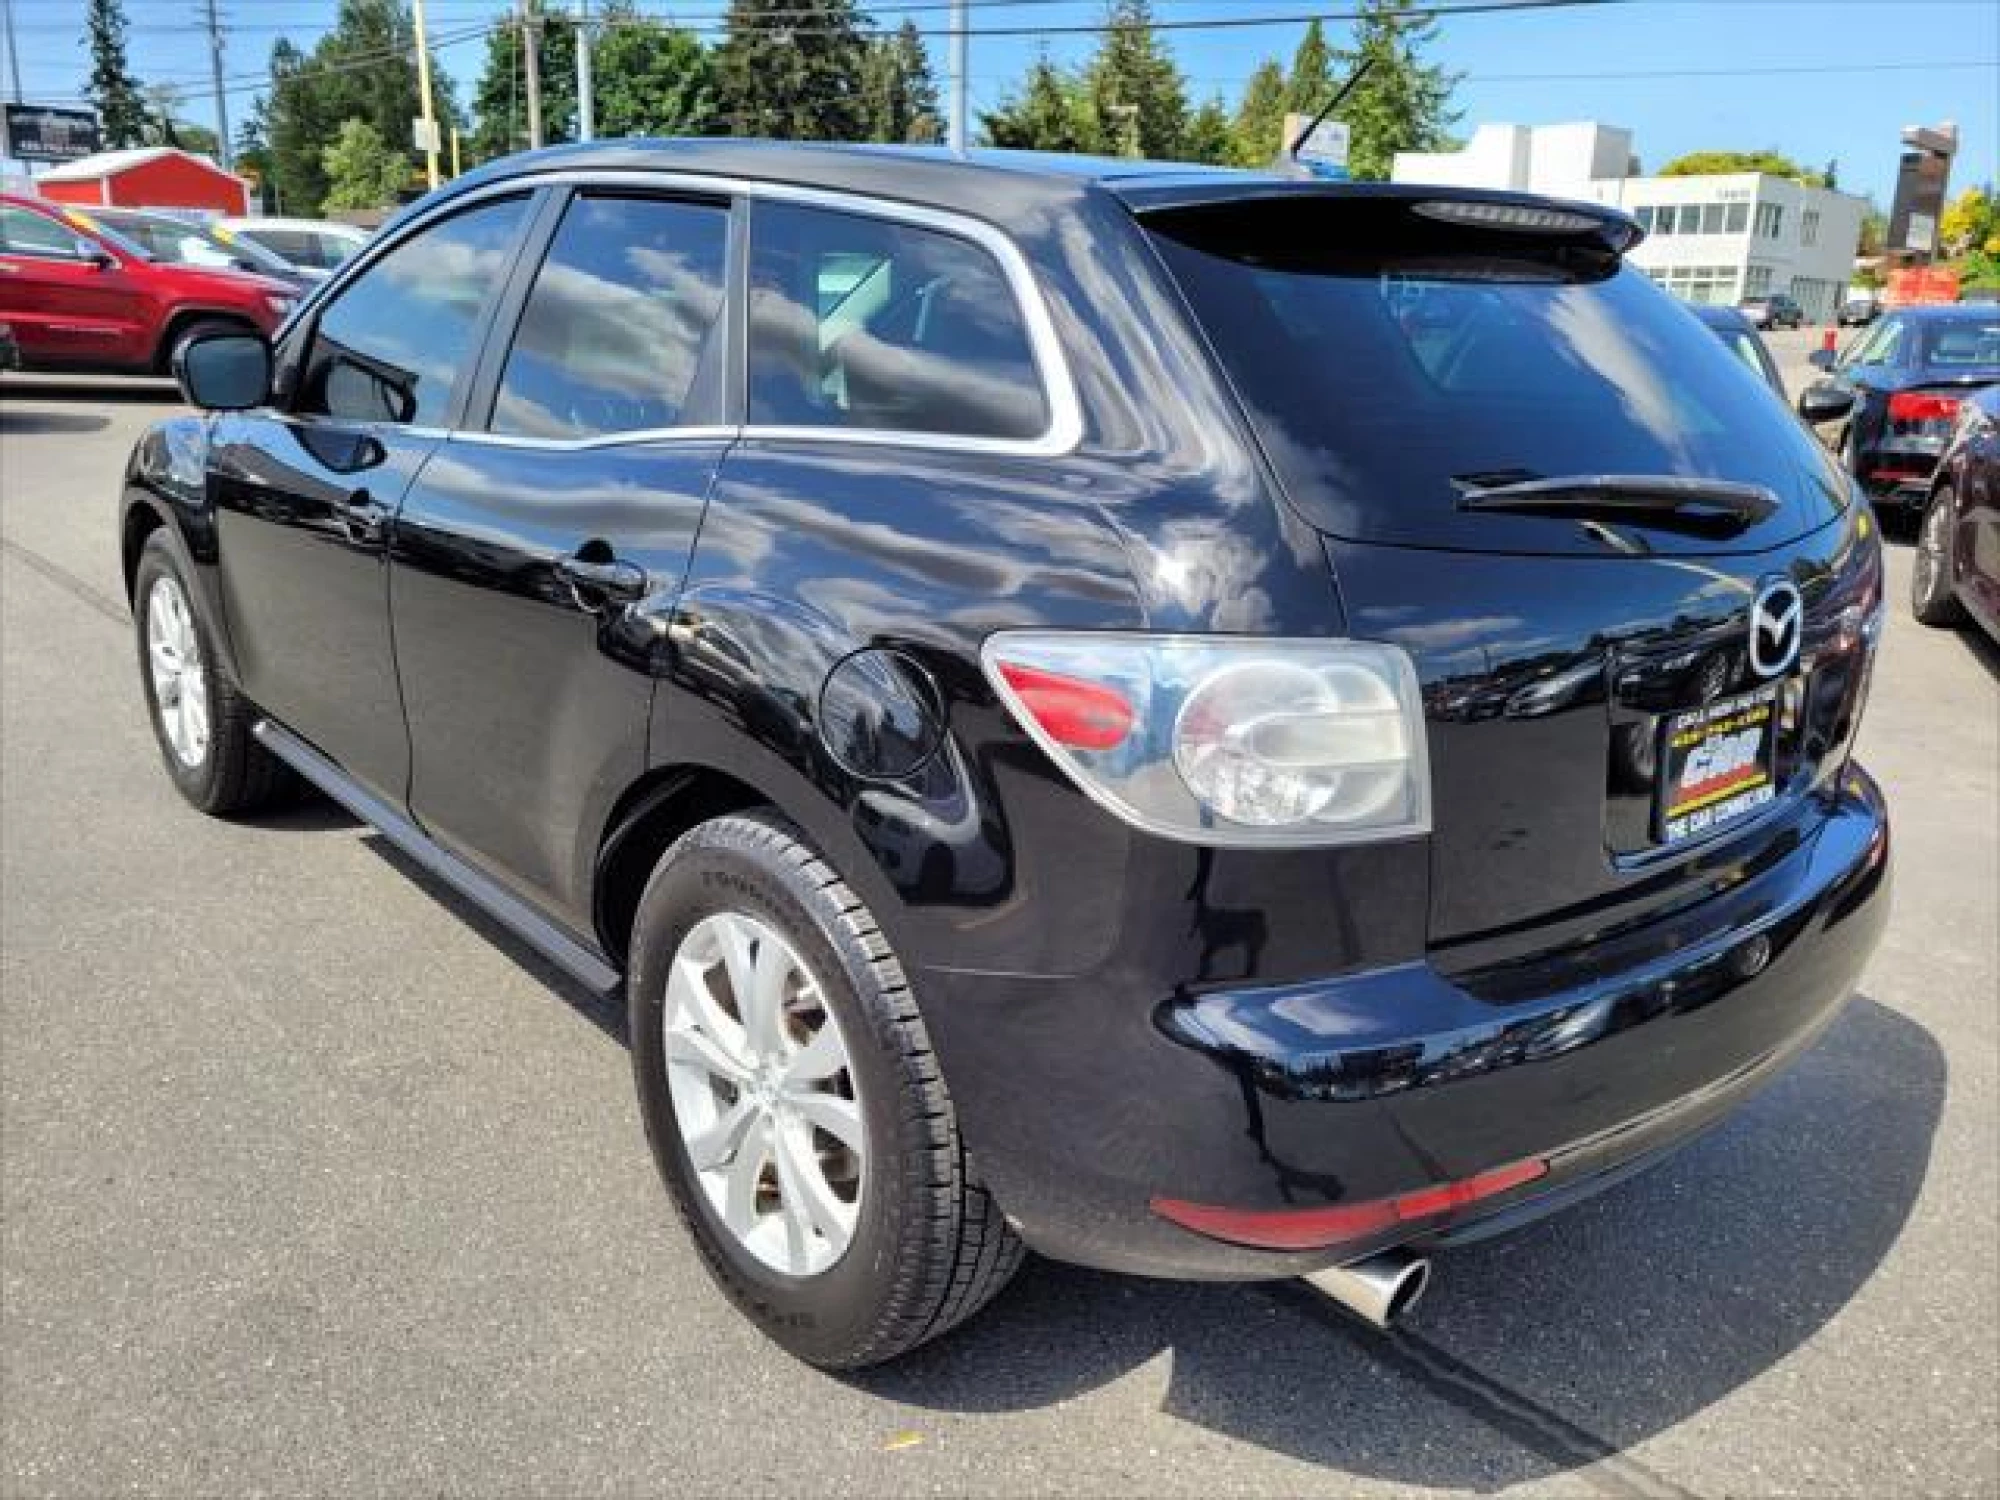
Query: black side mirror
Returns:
{"type": "Point", "coordinates": [1821, 359]}
{"type": "Point", "coordinates": [224, 371]}
{"type": "Point", "coordinates": [1823, 401]}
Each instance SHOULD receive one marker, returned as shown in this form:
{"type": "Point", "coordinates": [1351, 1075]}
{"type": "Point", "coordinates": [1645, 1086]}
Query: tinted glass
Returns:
{"type": "Point", "coordinates": [296, 246]}
{"type": "Point", "coordinates": [1961, 343]}
{"type": "Point", "coordinates": [1391, 363]}
{"type": "Point", "coordinates": [33, 234]}
{"type": "Point", "coordinates": [618, 319]}
{"type": "Point", "coordinates": [334, 249]}
{"type": "Point", "coordinates": [391, 346]}
{"type": "Point", "coordinates": [859, 322]}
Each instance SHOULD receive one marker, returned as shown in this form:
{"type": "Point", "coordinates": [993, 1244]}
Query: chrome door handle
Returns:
{"type": "Point", "coordinates": [597, 581]}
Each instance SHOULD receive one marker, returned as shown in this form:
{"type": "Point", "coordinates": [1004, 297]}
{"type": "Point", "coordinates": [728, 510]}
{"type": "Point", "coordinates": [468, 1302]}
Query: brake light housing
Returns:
{"type": "Point", "coordinates": [1915, 408]}
{"type": "Point", "coordinates": [1223, 740]}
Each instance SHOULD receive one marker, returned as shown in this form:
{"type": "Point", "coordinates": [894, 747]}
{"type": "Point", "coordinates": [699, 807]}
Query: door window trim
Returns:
{"type": "Point", "coordinates": [1061, 436]}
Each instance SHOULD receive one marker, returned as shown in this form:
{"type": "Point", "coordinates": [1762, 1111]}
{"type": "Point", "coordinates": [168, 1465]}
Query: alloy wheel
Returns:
{"type": "Point", "coordinates": [1930, 568]}
{"type": "Point", "coordinates": [180, 688]}
{"type": "Point", "coordinates": [763, 1094]}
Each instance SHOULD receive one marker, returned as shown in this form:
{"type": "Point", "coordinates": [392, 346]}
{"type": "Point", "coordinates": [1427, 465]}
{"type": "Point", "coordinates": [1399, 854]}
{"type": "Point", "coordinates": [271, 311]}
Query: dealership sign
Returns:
{"type": "Point", "coordinates": [37, 133]}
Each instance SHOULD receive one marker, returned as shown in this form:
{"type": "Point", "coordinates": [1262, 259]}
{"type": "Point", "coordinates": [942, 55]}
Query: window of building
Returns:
{"type": "Point", "coordinates": [1644, 216]}
{"type": "Point", "coordinates": [1737, 219]}
{"type": "Point", "coordinates": [1711, 218]}
{"type": "Point", "coordinates": [1809, 227]}
{"type": "Point", "coordinates": [395, 341]}
{"type": "Point", "coordinates": [1770, 220]}
{"type": "Point", "coordinates": [1757, 281]}
{"type": "Point", "coordinates": [865, 323]}
{"type": "Point", "coordinates": [617, 322]}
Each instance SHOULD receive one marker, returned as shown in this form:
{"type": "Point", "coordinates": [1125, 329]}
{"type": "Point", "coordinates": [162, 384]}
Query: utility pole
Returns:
{"type": "Point", "coordinates": [531, 61]}
{"type": "Point", "coordinates": [13, 48]}
{"type": "Point", "coordinates": [586, 96]}
{"type": "Point", "coordinates": [222, 146]}
{"type": "Point", "coordinates": [959, 49]}
{"type": "Point", "coordinates": [424, 96]}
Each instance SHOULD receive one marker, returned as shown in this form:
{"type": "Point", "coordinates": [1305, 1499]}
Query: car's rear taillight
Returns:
{"type": "Point", "coordinates": [1219, 740]}
{"type": "Point", "coordinates": [1917, 406]}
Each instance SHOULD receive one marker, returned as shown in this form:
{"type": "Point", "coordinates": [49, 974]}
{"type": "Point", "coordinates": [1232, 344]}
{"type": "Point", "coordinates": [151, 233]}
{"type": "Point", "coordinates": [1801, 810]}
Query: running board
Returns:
{"type": "Point", "coordinates": [484, 892]}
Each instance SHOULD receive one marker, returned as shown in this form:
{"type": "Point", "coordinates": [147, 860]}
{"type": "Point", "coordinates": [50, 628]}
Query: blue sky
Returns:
{"type": "Point", "coordinates": [1714, 65]}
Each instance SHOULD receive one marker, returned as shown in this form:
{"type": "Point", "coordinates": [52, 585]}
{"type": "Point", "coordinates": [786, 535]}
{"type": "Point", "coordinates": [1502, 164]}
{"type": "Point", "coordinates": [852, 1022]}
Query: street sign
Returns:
{"type": "Point", "coordinates": [1323, 152]}
{"type": "Point", "coordinates": [37, 133]}
{"type": "Point", "coordinates": [425, 136]}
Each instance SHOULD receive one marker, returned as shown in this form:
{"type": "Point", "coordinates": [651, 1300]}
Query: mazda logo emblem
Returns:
{"type": "Point", "coordinates": [1777, 627]}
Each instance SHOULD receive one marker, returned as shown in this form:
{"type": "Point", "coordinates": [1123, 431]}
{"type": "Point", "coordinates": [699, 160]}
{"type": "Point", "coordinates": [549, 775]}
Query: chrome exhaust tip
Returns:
{"type": "Point", "coordinates": [1378, 1290]}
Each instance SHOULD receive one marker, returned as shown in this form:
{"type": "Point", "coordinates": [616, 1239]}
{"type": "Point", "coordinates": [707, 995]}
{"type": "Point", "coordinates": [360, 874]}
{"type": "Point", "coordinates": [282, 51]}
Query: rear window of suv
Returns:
{"type": "Point", "coordinates": [1390, 363]}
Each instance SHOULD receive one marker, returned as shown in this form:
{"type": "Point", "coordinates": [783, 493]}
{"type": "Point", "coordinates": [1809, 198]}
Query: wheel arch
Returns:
{"type": "Point", "coordinates": [656, 810]}
{"type": "Point", "coordinates": [182, 318]}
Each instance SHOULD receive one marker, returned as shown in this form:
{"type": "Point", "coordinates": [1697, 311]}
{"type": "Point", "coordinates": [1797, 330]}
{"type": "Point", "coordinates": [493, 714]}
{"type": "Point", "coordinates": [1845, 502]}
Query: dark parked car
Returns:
{"type": "Point", "coordinates": [1896, 389]}
{"type": "Point", "coordinates": [1859, 312]}
{"type": "Point", "coordinates": [1956, 571]}
{"type": "Point", "coordinates": [1742, 339]}
{"type": "Point", "coordinates": [182, 242]}
{"type": "Point", "coordinates": [1074, 720]}
{"type": "Point", "coordinates": [1775, 310]}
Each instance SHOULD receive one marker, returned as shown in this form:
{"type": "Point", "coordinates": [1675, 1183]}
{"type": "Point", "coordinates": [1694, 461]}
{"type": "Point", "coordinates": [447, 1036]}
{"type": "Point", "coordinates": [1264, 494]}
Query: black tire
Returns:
{"type": "Point", "coordinates": [234, 774]}
{"type": "Point", "coordinates": [930, 1246]}
{"type": "Point", "coordinates": [1932, 598]}
{"type": "Point", "coordinates": [196, 328]}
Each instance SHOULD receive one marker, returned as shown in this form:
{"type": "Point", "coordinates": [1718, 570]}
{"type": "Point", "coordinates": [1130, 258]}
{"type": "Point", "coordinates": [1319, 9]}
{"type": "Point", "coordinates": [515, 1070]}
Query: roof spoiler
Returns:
{"type": "Point", "coordinates": [1530, 215]}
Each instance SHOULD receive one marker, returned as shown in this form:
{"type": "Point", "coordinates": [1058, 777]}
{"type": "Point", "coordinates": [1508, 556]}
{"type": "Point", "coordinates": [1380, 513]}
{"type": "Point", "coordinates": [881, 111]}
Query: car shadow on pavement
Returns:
{"type": "Point", "coordinates": [99, 389]}
{"type": "Point", "coordinates": [34, 423]}
{"type": "Point", "coordinates": [1567, 1343]}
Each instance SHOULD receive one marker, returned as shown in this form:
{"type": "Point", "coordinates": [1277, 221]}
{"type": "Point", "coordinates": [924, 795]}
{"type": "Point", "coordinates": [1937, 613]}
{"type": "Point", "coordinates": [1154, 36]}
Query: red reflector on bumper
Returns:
{"type": "Point", "coordinates": [1317, 1228]}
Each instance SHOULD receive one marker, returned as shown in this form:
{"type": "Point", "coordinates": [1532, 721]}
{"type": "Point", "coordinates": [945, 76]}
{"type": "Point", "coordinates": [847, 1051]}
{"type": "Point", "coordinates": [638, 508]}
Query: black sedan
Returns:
{"type": "Point", "coordinates": [1897, 389]}
{"type": "Point", "coordinates": [1741, 338]}
{"type": "Point", "coordinates": [1957, 566]}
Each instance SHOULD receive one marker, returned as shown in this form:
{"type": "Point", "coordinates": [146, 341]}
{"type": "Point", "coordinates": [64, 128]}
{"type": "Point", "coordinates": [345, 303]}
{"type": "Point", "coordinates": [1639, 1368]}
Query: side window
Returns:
{"type": "Point", "coordinates": [1882, 344]}
{"type": "Point", "coordinates": [615, 326]}
{"type": "Point", "coordinates": [865, 323]}
{"type": "Point", "coordinates": [26, 233]}
{"type": "Point", "coordinates": [391, 346]}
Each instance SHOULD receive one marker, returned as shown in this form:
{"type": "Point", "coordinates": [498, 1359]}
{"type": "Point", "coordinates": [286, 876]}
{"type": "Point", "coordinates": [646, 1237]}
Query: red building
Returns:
{"type": "Point", "coordinates": [148, 177]}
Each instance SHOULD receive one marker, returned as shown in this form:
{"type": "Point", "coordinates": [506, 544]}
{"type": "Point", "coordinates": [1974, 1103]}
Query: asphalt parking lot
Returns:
{"type": "Point", "coordinates": [312, 1183]}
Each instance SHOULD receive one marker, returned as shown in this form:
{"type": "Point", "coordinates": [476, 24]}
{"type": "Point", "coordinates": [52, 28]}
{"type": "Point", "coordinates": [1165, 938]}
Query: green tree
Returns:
{"type": "Point", "coordinates": [363, 68]}
{"type": "Point", "coordinates": [1209, 137]}
{"type": "Point", "coordinates": [121, 109]}
{"type": "Point", "coordinates": [1134, 87]}
{"type": "Point", "coordinates": [1967, 223]}
{"type": "Point", "coordinates": [899, 97]}
{"type": "Point", "coordinates": [165, 125]}
{"type": "Point", "coordinates": [1771, 162]}
{"type": "Point", "coordinates": [650, 78]}
{"type": "Point", "coordinates": [1311, 82]}
{"type": "Point", "coordinates": [1258, 130]}
{"type": "Point", "coordinates": [1403, 103]}
{"type": "Point", "coordinates": [1051, 113]}
{"type": "Point", "coordinates": [499, 98]}
{"type": "Point", "coordinates": [362, 170]}
{"type": "Point", "coordinates": [791, 69]}
{"type": "Point", "coordinates": [253, 153]}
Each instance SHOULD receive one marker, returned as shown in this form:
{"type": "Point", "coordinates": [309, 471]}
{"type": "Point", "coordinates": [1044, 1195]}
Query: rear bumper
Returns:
{"type": "Point", "coordinates": [1081, 1104]}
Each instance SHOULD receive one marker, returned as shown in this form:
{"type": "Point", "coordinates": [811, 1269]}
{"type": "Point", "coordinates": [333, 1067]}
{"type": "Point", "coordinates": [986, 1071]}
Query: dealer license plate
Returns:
{"type": "Point", "coordinates": [1716, 764]}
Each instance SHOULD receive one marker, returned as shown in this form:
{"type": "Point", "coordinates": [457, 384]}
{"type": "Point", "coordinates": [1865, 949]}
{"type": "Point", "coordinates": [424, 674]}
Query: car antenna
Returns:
{"type": "Point", "coordinates": [1331, 105]}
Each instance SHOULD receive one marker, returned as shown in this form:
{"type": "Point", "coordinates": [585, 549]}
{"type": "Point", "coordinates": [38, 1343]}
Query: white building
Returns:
{"type": "Point", "coordinates": [1708, 239]}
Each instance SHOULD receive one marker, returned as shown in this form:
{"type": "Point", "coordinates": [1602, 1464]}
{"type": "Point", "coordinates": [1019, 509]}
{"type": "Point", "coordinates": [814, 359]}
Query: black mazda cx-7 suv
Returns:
{"type": "Point", "coordinates": [1198, 724]}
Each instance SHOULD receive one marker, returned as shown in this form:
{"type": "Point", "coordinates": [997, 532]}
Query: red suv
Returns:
{"type": "Point", "coordinates": [80, 298]}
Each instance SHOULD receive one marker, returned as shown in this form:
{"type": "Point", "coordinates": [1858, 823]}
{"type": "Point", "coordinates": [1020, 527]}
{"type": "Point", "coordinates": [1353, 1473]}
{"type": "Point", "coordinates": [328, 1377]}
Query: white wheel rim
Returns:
{"type": "Point", "coordinates": [180, 688]}
{"type": "Point", "coordinates": [763, 1094]}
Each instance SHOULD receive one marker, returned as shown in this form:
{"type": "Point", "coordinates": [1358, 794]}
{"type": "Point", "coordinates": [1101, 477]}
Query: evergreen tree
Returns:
{"type": "Point", "coordinates": [650, 79]}
{"type": "Point", "coordinates": [791, 69]}
{"type": "Point", "coordinates": [1311, 82]}
{"type": "Point", "coordinates": [1404, 103]}
{"type": "Point", "coordinates": [121, 109]}
{"type": "Point", "coordinates": [1135, 90]}
{"type": "Point", "coordinates": [1209, 137]}
{"type": "Point", "coordinates": [899, 97]}
{"type": "Point", "coordinates": [499, 98]}
{"type": "Point", "coordinates": [1256, 134]}
{"type": "Point", "coordinates": [1051, 113]}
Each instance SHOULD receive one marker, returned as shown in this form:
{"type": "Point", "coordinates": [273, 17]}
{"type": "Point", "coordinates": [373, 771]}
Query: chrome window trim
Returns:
{"type": "Point", "coordinates": [1065, 429]}
{"type": "Point", "coordinates": [710, 433]}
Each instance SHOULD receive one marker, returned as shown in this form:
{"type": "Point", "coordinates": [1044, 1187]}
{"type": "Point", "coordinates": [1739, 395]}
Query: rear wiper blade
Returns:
{"type": "Point", "coordinates": [1710, 507]}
